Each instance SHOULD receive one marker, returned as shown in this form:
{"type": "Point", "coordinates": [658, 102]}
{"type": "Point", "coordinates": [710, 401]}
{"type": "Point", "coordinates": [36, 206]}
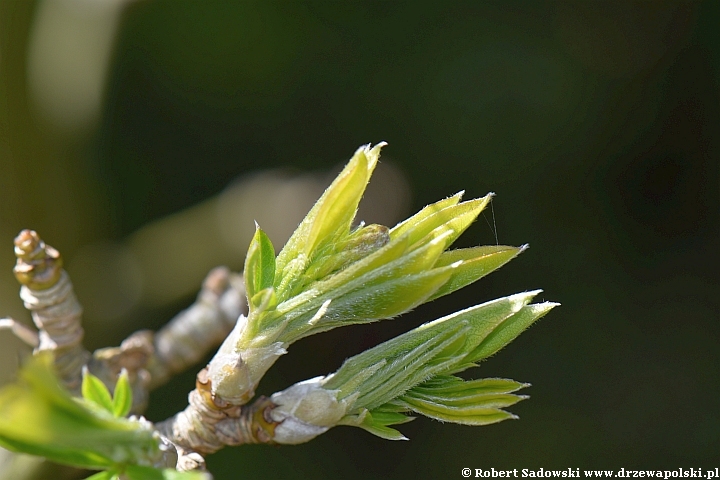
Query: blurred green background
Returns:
{"type": "Point", "coordinates": [597, 125]}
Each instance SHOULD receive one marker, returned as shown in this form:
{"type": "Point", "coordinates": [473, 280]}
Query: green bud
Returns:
{"type": "Point", "coordinates": [413, 373]}
{"type": "Point", "coordinates": [328, 275]}
{"type": "Point", "coordinates": [331, 216]}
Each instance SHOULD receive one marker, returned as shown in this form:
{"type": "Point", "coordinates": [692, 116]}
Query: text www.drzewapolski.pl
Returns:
{"type": "Point", "coordinates": [706, 474]}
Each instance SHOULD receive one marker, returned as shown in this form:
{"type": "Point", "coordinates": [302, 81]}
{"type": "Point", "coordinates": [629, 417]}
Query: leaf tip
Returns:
{"type": "Point", "coordinates": [519, 300]}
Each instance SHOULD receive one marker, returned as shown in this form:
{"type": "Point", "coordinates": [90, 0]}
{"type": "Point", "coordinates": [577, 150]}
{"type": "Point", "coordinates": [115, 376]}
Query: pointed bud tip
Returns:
{"type": "Point", "coordinates": [521, 299]}
{"type": "Point", "coordinates": [546, 306]}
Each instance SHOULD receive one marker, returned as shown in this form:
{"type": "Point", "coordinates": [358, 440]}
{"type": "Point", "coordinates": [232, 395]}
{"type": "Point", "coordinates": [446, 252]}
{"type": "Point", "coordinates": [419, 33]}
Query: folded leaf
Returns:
{"type": "Point", "coordinates": [470, 416]}
{"type": "Point", "coordinates": [335, 209]}
{"type": "Point", "coordinates": [475, 263]}
{"type": "Point", "coordinates": [94, 390]}
{"type": "Point", "coordinates": [451, 386]}
{"type": "Point", "coordinates": [405, 226]}
{"type": "Point", "coordinates": [492, 400]}
{"type": "Point", "coordinates": [259, 270]}
{"type": "Point", "coordinates": [122, 397]}
{"type": "Point", "coordinates": [509, 330]}
{"type": "Point", "coordinates": [377, 424]}
{"type": "Point", "coordinates": [454, 219]}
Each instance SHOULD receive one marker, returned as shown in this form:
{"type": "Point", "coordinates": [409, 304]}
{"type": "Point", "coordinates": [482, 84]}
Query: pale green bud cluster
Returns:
{"type": "Point", "coordinates": [414, 373]}
{"type": "Point", "coordinates": [330, 274]}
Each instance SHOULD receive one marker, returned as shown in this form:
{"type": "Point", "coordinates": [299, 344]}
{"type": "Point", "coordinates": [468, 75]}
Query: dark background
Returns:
{"type": "Point", "coordinates": [597, 125]}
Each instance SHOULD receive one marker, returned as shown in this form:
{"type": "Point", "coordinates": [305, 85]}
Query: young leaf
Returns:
{"type": "Point", "coordinates": [334, 211]}
{"type": "Point", "coordinates": [259, 264]}
{"type": "Point", "coordinates": [94, 390]}
{"type": "Point", "coordinates": [475, 263]}
{"type": "Point", "coordinates": [405, 226]}
{"type": "Point", "coordinates": [509, 330]}
{"type": "Point", "coordinates": [377, 424]}
{"type": "Point", "coordinates": [467, 416]}
{"type": "Point", "coordinates": [454, 218]}
{"type": "Point", "coordinates": [495, 400]}
{"type": "Point", "coordinates": [122, 398]}
{"type": "Point", "coordinates": [451, 386]}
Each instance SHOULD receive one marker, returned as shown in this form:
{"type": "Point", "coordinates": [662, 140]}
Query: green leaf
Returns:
{"type": "Point", "coordinates": [386, 433]}
{"type": "Point", "coordinates": [475, 263]}
{"type": "Point", "coordinates": [509, 330]}
{"type": "Point", "coordinates": [474, 402]}
{"type": "Point", "coordinates": [463, 407]}
{"type": "Point", "coordinates": [380, 417]}
{"type": "Point", "coordinates": [259, 270]}
{"type": "Point", "coordinates": [377, 424]}
{"type": "Point", "coordinates": [467, 416]}
{"type": "Point", "coordinates": [94, 390]}
{"type": "Point", "coordinates": [136, 472]}
{"type": "Point", "coordinates": [338, 206]}
{"type": "Point", "coordinates": [494, 400]}
{"type": "Point", "coordinates": [452, 218]}
{"type": "Point", "coordinates": [332, 214]}
{"type": "Point", "coordinates": [327, 276]}
{"type": "Point", "coordinates": [452, 386]}
{"type": "Point", "coordinates": [405, 226]}
{"type": "Point", "coordinates": [122, 397]}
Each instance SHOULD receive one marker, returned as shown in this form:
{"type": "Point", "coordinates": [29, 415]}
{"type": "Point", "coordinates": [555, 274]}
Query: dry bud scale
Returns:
{"type": "Point", "coordinates": [331, 274]}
